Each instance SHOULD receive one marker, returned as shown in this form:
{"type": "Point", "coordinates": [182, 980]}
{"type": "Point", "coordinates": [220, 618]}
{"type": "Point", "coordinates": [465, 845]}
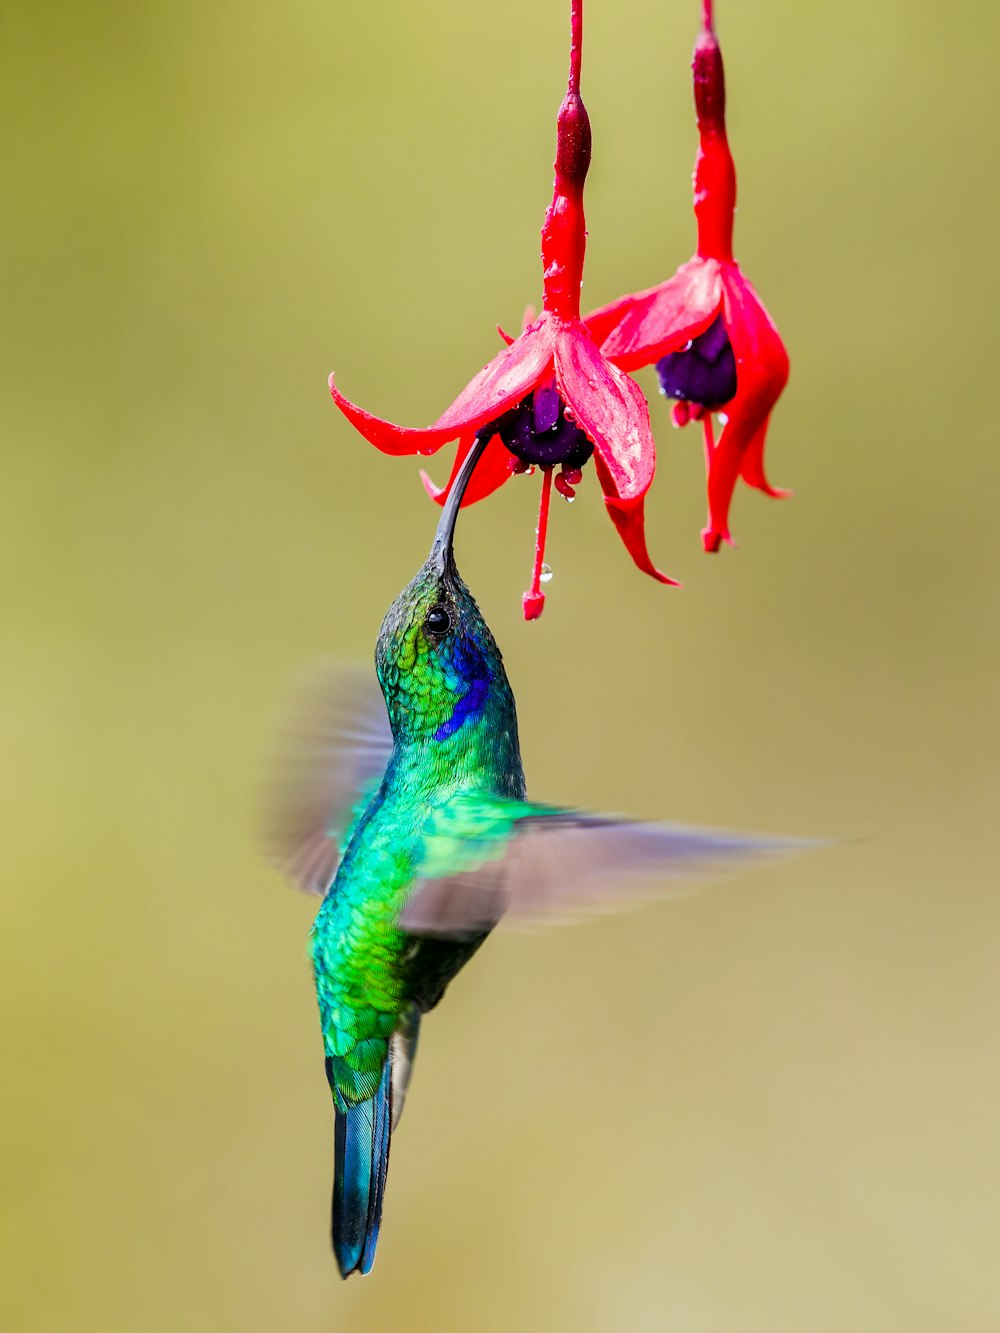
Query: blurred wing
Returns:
{"type": "Point", "coordinates": [335, 748]}
{"type": "Point", "coordinates": [567, 864]}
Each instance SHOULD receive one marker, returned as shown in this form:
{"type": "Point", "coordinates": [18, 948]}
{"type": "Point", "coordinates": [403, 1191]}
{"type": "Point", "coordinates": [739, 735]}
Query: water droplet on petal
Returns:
{"type": "Point", "coordinates": [546, 575]}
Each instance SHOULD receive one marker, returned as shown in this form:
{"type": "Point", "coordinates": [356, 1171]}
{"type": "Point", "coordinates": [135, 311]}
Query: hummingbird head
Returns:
{"type": "Point", "coordinates": [437, 662]}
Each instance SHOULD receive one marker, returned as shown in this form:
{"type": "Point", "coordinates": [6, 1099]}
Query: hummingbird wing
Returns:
{"type": "Point", "coordinates": [555, 865]}
{"type": "Point", "coordinates": [335, 747]}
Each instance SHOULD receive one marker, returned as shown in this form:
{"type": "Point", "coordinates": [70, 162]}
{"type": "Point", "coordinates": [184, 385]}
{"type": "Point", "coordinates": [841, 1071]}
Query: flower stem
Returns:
{"type": "Point", "coordinates": [534, 599]}
{"type": "Point", "coordinates": [707, 20]}
{"type": "Point", "coordinates": [576, 43]}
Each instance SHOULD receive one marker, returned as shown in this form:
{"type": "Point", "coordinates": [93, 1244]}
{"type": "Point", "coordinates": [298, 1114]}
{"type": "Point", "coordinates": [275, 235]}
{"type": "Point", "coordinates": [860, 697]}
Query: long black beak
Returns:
{"type": "Point", "coordinates": [442, 554]}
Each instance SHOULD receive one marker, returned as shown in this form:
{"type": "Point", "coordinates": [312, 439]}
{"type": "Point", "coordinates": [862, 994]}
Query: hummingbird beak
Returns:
{"type": "Point", "coordinates": [442, 555]}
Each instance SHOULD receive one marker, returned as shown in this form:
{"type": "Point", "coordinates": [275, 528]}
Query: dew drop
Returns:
{"type": "Point", "coordinates": [546, 575]}
{"type": "Point", "coordinates": [722, 418]}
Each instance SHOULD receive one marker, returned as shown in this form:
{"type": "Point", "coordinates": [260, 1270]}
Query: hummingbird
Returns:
{"type": "Point", "coordinates": [405, 808]}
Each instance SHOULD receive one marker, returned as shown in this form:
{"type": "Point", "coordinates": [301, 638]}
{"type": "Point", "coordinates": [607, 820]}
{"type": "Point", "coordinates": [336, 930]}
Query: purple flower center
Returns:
{"type": "Point", "coordinates": [537, 431]}
{"type": "Point", "coordinates": [704, 372]}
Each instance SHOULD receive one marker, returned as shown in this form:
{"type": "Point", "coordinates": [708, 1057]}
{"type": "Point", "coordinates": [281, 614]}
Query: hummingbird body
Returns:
{"type": "Point", "coordinates": [440, 842]}
{"type": "Point", "coordinates": [452, 780]}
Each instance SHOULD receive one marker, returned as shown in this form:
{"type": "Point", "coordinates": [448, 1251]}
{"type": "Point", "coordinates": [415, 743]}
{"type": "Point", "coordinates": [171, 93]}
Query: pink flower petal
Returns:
{"type": "Point", "coordinates": [396, 440]}
{"type": "Point", "coordinates": [511, 374]}
{"type": "Point", "coordinates": [490, 473]}
{"type": "Point", "coordinates": [761, 359]}
{"type": "Point", "coordinates": [761, 374]}
{"type": "Point", "coordinates": [752, 467]}
{"type": "Point", "coordinates": [661, 320]}
{"type": "Point", "coordinates": [630, 521]}
{"type": "Point", "coordinates": [602, 321]}
{"type": "Point", "coordinates": [611, 411]}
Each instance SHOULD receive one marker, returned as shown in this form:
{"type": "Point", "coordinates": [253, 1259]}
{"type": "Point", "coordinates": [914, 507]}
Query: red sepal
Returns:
{"type": "Point", "coordinates": [661, 320]}
{"type": "Point", "coordinates": [761, 374]}
{"type": "Point", "coordinates": [630, 521]}
{"type": "Point", "coordinates": [511, 375]}
{"type": "Point", "coordinates": [610, 409]}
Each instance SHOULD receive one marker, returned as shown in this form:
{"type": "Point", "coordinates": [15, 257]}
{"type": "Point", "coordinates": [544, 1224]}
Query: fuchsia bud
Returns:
{"type": "Point", "coordinates": [714, 170]}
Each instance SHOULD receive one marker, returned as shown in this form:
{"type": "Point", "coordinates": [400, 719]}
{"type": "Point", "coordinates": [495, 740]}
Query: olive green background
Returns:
{"type": "Point", "coordinates": [771, 1107]}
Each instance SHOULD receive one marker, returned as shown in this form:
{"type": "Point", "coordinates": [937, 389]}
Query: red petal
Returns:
{"type": "Point", "coordinates": [384, 435]}
{"type": "Point", "coordinates": [761, 374]}
{"type": "Point", "coordinates": [605, 318]}
{"type": "Point", "coordinates": [505, 381]}
{"type": "Point", "coordinates": [631, 524]}
{"type": "Point", "coordinates": [662, 319]}
{"type": "Point", "coordinates": [610, 409]}
{"type": "Point", "coordinates": [752, 469]}
{"type": "Point", "coordinates": [508, 377]}
{"type": "Point", "coordinates": [490, 473]}
{"type": "Point", "coordinates": [761, 359]}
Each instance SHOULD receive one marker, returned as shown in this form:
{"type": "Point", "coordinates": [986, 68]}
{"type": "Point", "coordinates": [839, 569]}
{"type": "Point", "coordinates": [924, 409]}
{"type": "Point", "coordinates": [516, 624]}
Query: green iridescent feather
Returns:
{"type": "Point", "coordinates": [437, 803]}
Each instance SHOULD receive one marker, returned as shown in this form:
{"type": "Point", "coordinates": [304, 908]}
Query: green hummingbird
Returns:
{"type": "Point", "coordinates": [409, 816]}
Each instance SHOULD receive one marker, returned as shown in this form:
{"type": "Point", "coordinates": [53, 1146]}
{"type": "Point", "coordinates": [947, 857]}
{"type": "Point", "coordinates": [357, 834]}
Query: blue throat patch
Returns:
{"type": "Point", "coordinates": [469, 704]}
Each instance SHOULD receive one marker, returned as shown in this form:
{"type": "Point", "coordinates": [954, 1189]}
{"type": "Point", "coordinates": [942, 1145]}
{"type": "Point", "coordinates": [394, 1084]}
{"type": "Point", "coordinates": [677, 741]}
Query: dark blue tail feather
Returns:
{"type": "Point", "coordinates": [361, 1159]}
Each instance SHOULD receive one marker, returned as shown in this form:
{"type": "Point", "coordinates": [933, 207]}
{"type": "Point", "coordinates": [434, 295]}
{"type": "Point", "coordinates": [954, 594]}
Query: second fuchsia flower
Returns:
{"type": "Point", "coordinates": [714, 345]}
{"type": "Point", "coordinates": [550, 398]}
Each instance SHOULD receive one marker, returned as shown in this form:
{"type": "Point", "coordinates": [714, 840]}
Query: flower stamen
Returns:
{"type": "Point", "coordinates": [533, 600]}
{"type": "Point", "coordinates": [566, 481]}
{"type": "Point", "coordinates": [709, 429]}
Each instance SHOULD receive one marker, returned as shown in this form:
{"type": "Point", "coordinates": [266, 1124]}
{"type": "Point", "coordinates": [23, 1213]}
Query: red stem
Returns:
{"type": "Point", "coordinates": [534, 599]}
{"type": "Point", "coordinates": [576, 43]}
{"type": "Point", "coordinates": [707, 20]}
{"type": "Point", "coordinates": [564, 232]}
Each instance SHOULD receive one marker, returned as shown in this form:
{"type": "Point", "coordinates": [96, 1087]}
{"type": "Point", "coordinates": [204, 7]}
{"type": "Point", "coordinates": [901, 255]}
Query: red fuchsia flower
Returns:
{"type": "Point", "coordinates": [715, 346]}
{"type": "Point", "coordinates": [549, 398]}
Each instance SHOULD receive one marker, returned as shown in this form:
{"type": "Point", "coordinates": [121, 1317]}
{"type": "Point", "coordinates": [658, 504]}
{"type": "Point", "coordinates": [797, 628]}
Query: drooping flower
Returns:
{"type": "Point", "coordinates": [714, 345]}
{"type": "Point", "coordinates": [549, 398]}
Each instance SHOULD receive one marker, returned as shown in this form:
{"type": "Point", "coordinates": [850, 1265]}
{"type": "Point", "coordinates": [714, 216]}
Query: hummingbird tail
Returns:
{"type": "Point", "coordinates": [361, 1160]}
{"type": "Point", "coordinates": [361, 1153]}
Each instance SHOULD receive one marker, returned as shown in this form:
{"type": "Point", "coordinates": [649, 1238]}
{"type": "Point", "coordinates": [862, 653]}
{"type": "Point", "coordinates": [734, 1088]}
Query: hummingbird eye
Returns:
{"type": "Point", "coordinates": [438, 621]}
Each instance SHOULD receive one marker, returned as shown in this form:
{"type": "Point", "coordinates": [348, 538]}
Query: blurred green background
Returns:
{"type": "Point", "coordinates": [770, 1107]}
